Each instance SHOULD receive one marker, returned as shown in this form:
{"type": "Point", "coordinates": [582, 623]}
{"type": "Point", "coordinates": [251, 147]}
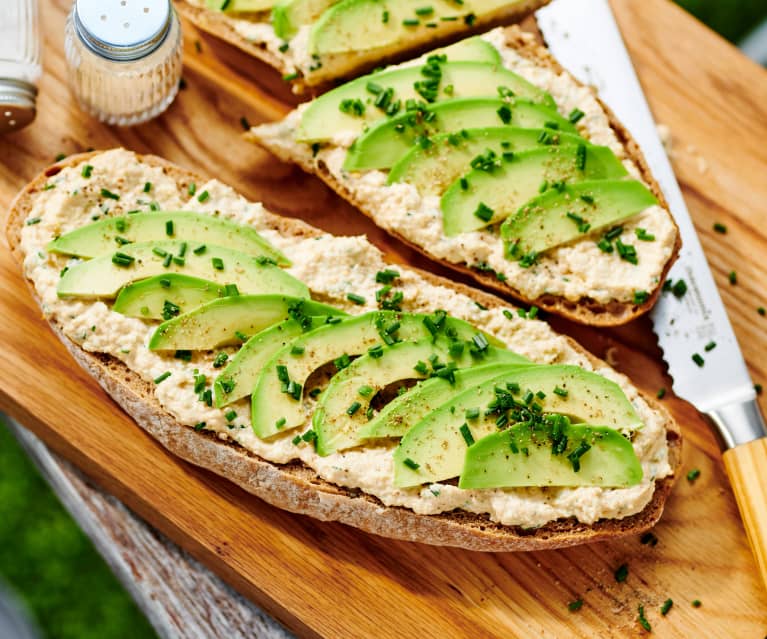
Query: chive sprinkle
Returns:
{"type": "Point", "coordinates": [121, 259]}
{"type": "Point", "coordinates": [710, 346]}
{"type": "Point", "coordinates": [169, 228]}
{"type": "Point", "coordinates": [161, 378]}
{"type": "Point", "coordinates": [720, 228]}
{"type": "Point", "coordinates": [192, 188]}
{"type": "Point", "coordinates": [466, 433]}
{"type": "Point", "coordinates": [147, 187]}
{"type": "Point", "coordinates": [203, 196]}
{"type": "Point", "coordinates": [484, 212]}
{"type": "Point", "coordinates": [576, 605]}
{"type": "Point", "coordinates": [758, 388]}
{"type": "Point", "coordinates": [411, 22]}
{"type": "Point", "coordinates": [643, 620]}
{"type": "Point", "coordinates": [693, 474]}
{"type": "Point", "coordinates": [365, 390]}
{"type": "Point", "coordinates": [696, 603]}
{"type": "Point", "coordinates": [411, 464]}
{"type": "Point", "coordinates": [666, 607]}
{"type": "Point", "coordinates": [353, 408]}
{"type": "Point", "coordinates": [87, 171]}
{"type": "Point", "coordinates": [622, 573]}
{"type": "Point", "coordinates": [356, 299]}
{"type": "Point", "coordinates": [108, 194]}
{"type": "Point", "coordinates": [560, 391]}
{"type": "Point", "coordinates": [761, 310]}
{"type": "Point", "coordinates": [575, 115]}
{"type": "Point", "coordinates": [661, 393]}
{"type": "Point", "coordinates": [230, 415]}
{"type": "Point", "coordinates": [217, 263]}
{"type": "Point", "coordinates": [698, 359]}
{"type": "Point", "coordinates": [733, 277]}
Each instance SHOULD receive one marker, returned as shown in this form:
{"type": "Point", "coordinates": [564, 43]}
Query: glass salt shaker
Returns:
{"type": "Point", "coordinates": [20, 67]}
{"type": "Point", "coordinates": [124, 58]}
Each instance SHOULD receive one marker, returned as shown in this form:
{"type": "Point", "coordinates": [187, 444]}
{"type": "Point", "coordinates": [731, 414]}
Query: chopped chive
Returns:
{"type": "Point", "coordinates": [761, 310]}
{"type": "Point", "coordinates": [710, 346]}
{"type": "Point", "coordinates": [720, 228]}
{"type": "Point", "coordinates": [696, 603]}
{"type": "Point", "coordinates": [411, 22]}
{"type": "Point", "coordinates": [679, 289]}
{"type": "Point", "coordinates": [162, 378]}
{"type": "Point", "coordinates": [385, 17]}
{"type": "Point", "coordinates": [693, 475]}
{"type": "Point", "coordinates": [297, 349]}
{"type": "Point", "coordinates": [87, 171]}
{"type": "Point", "coordinates": [643, 620]}
{"type": "Point", "coordinates": [622, 573]}
{"type": "Point", "coordinates": [733, 277]}
{"type": "Point", "coordinates": [661, 393]}
{"type": "Point", "coordinates": [192, 189]}
{"type": "Point", "coordinates": [108, 194]}
{"type": "Point", "coordinates": [182, 249]}
{"type": "Point", "coordinates": [560, 391]}
{"type": "Point", "coordinates": [296, 440]}
{"type": "Point", "coordinates": [203, 196]}
{"type": "Point", "coordinates": [758, 388]}
{"type": "Point", "coordinates": [169, 228]}
{"type": "Point", "coordinates": [121, 259]}
{"type": "Point", "coordinates": [666, 607]}
{"type": "Point", "coordinates": [147, 187]}
{"type": "Point", "coordinates": [411, 464]}
{"type": "Point", "coordinates": [244, 123]}
{"type": "Point", "coordinates": [576, 605]}
{"type": "Point", "coordinates": [183, 355]}
{"type": "Point", "coordinates": [365, 390]}
{"type": "Point", "coordinates": [164, 282]}
{"type": "Point", "coordinates": [280, 423]}
{"type": "Point", "coordinates": [217, 263]}
{"type": "Point", "coordinates": [466, 433]}
{"type": "Point", "coordinates": [179, 260]}
{"type": "Point", "coordinates": [199, 250]}
{"type": "Point", "coordinates": [472, 413]}
{"type": "Point", "coordinates": [353, 408]}
{"type": "Point", "coordinates": [230, 415]}
{"type": "Point", "coordinates": [168, 259]}
{"type": "Point", "coordinates": [289, 77]}
{"type": "Point", "coordinates": [484, 212]}
{"type": "Point", "coordinates": [199, 426]}
{"type": "Point", "coordinates": [283, 47]}
{"type": "Point", "coordinates": [231, 290]}
{"type": "Point", "coordinates": [640, 297]}
{"type": "Point", "coordinates": [60, 156]}
{"type": "Point", "coordinates": [575, 115]}
{"type": "Point", "coordinates": [580, 157]}
{"type": "Point", "coordinates": [424, 11]}
{"type": "Point", "coordinates": [643, 235]}
{"type": "Point", "coordinates": [356, 299]}
{"type": "Point", "coordinates": [649, 539]}
{"type": "Point", "coordinates": [375, 351]}
{"type": "Point", "coordinates": [32, 221]}
{"type": "Point", "coordinates": [698, 359]}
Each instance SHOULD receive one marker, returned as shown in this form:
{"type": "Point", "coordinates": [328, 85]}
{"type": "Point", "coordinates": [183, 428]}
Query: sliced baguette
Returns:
{"type": "Point", "coordinates": [585, 310]}
{"type": "Point", "coordinates": [340, 66]}
{"type": "Point", "coordinates": [295, 486]}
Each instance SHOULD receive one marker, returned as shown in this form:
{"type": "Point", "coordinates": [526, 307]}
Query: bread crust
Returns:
{"type": "Point", "coordinates": [294, 486]}
{"type": "Point", "coordinates": [585, 310]}
{"type": "Point", "coordinates": [352, 64]}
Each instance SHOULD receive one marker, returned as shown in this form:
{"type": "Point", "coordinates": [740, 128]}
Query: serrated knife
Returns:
{"type": "Point", "coordinates": [584, 37]}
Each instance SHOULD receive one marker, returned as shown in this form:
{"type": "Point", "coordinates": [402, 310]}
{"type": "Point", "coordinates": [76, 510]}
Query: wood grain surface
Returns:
{"type": "Point", "coordinates": [329, 580]}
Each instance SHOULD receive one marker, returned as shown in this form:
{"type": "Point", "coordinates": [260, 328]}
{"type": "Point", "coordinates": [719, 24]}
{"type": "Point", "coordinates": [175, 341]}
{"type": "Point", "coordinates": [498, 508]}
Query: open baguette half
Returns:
{"type": "Point", "coordinates": [585, 299]}
{"type": "Point", "coordinates": [254, 34]}
{"type": "Point", "coordinates": [295, 486]}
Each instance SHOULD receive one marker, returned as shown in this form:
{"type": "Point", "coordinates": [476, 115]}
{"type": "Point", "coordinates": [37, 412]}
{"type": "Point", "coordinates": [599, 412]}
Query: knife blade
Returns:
{"type": "Point", "coordinates": [584, 37]}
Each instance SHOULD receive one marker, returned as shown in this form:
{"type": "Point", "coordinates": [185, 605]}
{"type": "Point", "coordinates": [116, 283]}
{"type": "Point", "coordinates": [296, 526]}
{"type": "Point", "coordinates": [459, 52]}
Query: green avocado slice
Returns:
{"type": "Point", "coordinates": [556, 217]}
{"type": "Point", "coordinates": [338, 110]}
{"type": "Point", "coordinates": [147, 298]}
{"type": "Point", "coordinates": [342, 409]}
{"type": "Point", "coordinates": [403, 412]}
{"type": "Point", "coordinates": [240, 6]}
{"type": "Point", "coordinates": [104, 276]}
{"type": "Point", "coordinates": [114, 233]}
{"type": "Point", "coordinates": [230, 320]}
{"type": "Point", "coordinates": [241, 373]}
{"type": "Point", "coordinates": [387, 141]}
{"type": "Point", "coordinates": [289, 15]}
{"type": "Point", "coordinates": [431, 170]}
{"type": "Point", "coordinates": [498, 186]}
{"type": "Point", "coordinates": [276, 399]}
{"type": "Point", "coordinates": [371, 25]}
{"type": "Point", "coordinates": [434, 449]}
{"type": "Point", "coordinates": [523, 455]}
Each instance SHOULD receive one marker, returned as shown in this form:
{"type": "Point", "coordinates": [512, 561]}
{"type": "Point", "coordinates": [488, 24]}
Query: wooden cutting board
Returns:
{"type": "Point", "coordinates": [328, 580]}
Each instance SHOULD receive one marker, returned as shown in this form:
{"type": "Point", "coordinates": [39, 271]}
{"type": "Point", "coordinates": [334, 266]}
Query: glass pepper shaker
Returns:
{"type": "Point", "coordinates": [20, 67]}
{"type": "Point", "coordinates": [124, 58]}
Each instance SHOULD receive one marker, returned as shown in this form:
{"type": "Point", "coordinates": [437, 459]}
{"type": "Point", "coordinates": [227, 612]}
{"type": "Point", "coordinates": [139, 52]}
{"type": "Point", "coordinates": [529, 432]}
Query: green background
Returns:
{"type": "Point", "coordinates": [52, 565]}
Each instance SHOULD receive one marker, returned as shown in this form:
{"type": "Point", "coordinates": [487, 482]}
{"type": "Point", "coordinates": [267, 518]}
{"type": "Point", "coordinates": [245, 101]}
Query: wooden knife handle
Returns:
{"type": "Point", "coordinates": [747, 468]}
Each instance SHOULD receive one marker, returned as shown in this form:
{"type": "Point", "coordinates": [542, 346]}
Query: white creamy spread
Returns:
{"type": "Point", "coordinates": [332, 267]}
{"type": "Point", "coordinates": [573, 271]}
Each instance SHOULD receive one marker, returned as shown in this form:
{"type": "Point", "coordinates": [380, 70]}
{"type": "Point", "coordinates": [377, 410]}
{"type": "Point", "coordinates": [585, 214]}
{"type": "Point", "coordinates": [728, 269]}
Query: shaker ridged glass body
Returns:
{"type": "Point", "coordinates": [116, 78]}
{"type": "Point", "coordinates": [20, 67]}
